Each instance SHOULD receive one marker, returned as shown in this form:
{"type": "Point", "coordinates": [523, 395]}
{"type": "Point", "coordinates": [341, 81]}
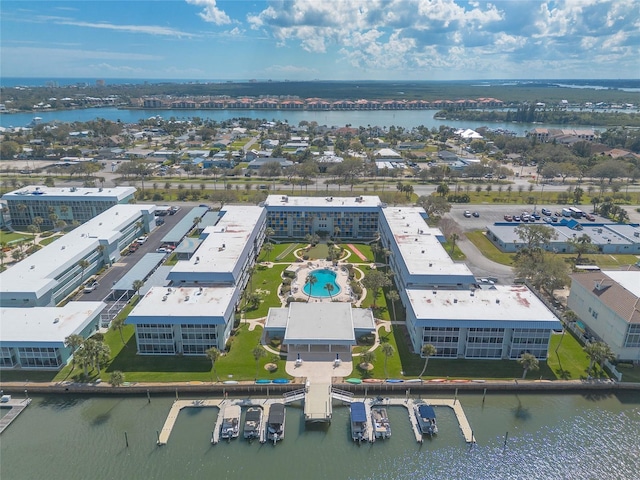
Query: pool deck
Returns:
{"type": "Point", "coordinates": [302, 270]}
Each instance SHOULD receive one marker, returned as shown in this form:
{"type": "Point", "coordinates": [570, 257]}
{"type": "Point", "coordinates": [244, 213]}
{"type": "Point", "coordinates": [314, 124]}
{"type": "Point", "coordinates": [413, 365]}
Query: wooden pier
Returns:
{"type": "Point", "coordinates": [16, 406]}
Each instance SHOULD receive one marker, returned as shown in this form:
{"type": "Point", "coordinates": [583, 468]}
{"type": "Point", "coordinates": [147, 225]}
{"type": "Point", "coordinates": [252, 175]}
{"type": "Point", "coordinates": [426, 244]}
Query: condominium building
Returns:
{"type": "Point", "coordinates": [445, 306]}
{"type": "Point", "coordinates": [55, 203]}
{"type": "Point", "coordinates": [608, 304]}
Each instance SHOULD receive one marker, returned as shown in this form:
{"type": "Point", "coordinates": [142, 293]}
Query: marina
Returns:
{"type": "Point", "coordinates": [540, 428]}
{"type": "Point", "coordinates": [369, 418]}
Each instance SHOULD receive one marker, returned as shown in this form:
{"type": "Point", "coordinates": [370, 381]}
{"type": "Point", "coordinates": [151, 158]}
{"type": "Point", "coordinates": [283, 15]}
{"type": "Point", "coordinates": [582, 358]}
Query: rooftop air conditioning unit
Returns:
{"type": "Point", "coordinates": [497, 300]}
{"type": "Point", "coordinates": [164, 299]}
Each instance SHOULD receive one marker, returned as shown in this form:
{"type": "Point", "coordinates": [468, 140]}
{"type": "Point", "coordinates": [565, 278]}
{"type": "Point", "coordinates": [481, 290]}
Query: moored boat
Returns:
{"type": "Point", "coordinates": [380, 421]}
{"type": "Point", "coordinates": [252, 423]}
{"type": "Point", "coordinates": [358, 422]}
{"type": "Point", "coordinates": [275, 422]}
{"type": "Point", "coordinates": [230, 427]}
{"type": "Point", "coordinates": [426, 417]}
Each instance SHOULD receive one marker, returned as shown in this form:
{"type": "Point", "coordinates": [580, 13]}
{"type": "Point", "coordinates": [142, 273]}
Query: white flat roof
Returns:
{"type": "Point", "coordinates": [42, 192]}
{"type": "Point", "coordinates": [331, 203]}
{"type": "Point", "coordinates": [164, 303]}
{"type": "Point", "coordinates": [628, 279]}
{"type": "Point", "coordinates": [38, 271]}
{"type": "Point", "coordinates": [324, 322]}
{"type": "Point", "coordinates": [501, 304]}
{"type": "Point", "coordinates": [46, 324]}
{"type": "Point", "coordinates": [224, 244]}
{"type": "Point", "coordinates": [421, 251]}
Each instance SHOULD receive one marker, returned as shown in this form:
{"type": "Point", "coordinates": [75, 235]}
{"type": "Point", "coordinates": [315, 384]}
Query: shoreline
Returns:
{"type": "Point", "coordinates": [373, 389]}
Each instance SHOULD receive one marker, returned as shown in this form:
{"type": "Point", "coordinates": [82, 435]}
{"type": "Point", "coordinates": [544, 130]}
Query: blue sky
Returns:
{"type": "Point", "coordinates": [321, 39]}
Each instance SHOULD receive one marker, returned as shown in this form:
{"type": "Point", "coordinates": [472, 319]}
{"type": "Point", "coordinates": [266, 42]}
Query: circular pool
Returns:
{"type": "Point", "coordinates": [319, 289]}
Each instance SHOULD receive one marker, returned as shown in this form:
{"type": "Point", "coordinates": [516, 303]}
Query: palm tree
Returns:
{"type": "Point", "coordinates": [100, 249]}
{"type": "Point", "coordinates": [387, 351]}
{"type": "Point", "coordinates": [33, 230]}
{"type": "Point", "coordinates": [393, 296]}
{"type": "Point", "coordinates": [83, 264]}
{"type": "Point", "coordinates": [102, 354]}
{"type": "Point", "coordinates": [427, 351]}
{"type": "Point", "coordinates": [329, 287]}
{"type": "Point", "coordinates": [196, 221]}
{"type": "Point", "coordinates": [311, 281]}
{"type": "Point", "coordinates": [453, 238]}
{"type": "Point", "coordinates": [83, 357]}
{"type": "Point", "coordinates": [528, 362]}
{"type": "Point", "coordinates": [137, 285]}
{"type": "Point", "coordinates": [213, 354]}
{"type": "Point", "coordinates": [73, 341]}
{"type": "Point", "coordinates": [598, 352]}
{"type": "Point", "coordinates": [367, 358]}
{"type": "Point", "coordinates": [258, 353]}
{"type": "Point", "coordinates": [118, 324]}
{"type": "Point", "coordinates": [268, 248]}
{"type": "Point", "coordinates": [269, 232]}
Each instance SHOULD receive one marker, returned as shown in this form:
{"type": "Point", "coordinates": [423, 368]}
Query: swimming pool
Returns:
{"type": "Point", "coordinates": [319, 289]}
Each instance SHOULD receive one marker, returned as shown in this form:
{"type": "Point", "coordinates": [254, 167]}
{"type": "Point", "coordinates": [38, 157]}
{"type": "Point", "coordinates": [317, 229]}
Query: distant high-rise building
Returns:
{"type": "Point", "coordinates": [100, 83]}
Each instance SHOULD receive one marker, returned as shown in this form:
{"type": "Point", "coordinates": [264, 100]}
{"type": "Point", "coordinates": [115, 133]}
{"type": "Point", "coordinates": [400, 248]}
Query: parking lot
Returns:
{"type": "Point", "coordinates": [490, 214]}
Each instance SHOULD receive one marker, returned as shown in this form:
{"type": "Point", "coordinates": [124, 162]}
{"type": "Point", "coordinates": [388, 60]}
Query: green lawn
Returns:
{"type": "Point", "coordinates": [278, 253]}
{"type": "Point", "coordinates": [12, 238]}
{"type": "Point", "coordinates": [319, 252]}
{"type": "Point", "coordinates": [46, 241]}
{"type": "Point", "coordinates": [488, 249]}
{"type": "Point", "coordinates": [268, 281]}
{"type": "Point", "coordinates": [238, 363]}
{"type": "Point", "coordinates": [363, 249]}
{"type": "Point", "coordinates": [457, 254]}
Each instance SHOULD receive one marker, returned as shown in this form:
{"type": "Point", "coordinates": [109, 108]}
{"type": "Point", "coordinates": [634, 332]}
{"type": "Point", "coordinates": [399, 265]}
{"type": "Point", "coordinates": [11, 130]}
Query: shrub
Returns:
{"type": "Point", "coordinates": [285, 289]}
{"type": "Point", "coordinates": [289, 274]}
{"type": "Point", "coordinates": [286, 281]}
{"type": "Point", "coordinates": [46, 234]}
{"type": "Point", "coordinates": [275, 342]}
{"type": "Point", "coordinates": [366, 339]}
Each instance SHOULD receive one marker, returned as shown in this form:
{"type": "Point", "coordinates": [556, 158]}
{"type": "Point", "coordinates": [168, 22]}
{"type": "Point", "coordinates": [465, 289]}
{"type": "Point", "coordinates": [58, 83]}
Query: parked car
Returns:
{"type": "Point", "coordinates": [476, 214]}
{"type": "Point", "coordinates": [590, 217]}
{"type": "Point", "coordinates": [141, 240]}
{"type": "Point", "coordinates": [508, 218]}
{"type": "Point", "coordinates": [467, 213]}
{"type": "Point", "coordinates": [90, 286]}
{"type": "Point", "coordinates": [516, 218]}
{"type": "Point", "coordinates": [546, 211]}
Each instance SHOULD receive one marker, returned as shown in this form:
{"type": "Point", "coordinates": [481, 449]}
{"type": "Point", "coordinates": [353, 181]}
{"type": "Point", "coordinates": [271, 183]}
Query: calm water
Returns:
{"type": "Point", "coordinates": [323, 277]}
{"type": "Point", "coordinates": [407, 119]}
{"type": "Point", "coordinates": [550, 437]}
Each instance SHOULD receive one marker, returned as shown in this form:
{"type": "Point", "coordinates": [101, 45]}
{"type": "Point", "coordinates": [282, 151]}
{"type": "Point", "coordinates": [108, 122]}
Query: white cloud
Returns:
{"type": "Point", "coordinates": [148, 29]}
{"type": "Point", "coordinates": [211, 13]}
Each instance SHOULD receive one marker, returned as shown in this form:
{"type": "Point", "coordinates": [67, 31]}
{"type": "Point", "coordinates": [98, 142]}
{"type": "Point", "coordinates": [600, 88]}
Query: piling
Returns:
{"type": "Point", "coordinates": [504, 447]}
{"type": "Point", "coordinates": [484, 394]}
{"type": "Point", "coordinates": [148, 396]}
{"type": "Point", "coordinates": [455, 397]}
{"type": "Point", "coordinates": [126, 439]}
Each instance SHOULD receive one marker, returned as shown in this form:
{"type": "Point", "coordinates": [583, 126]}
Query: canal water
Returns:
{"type": "Point", "coordinates": [590, 436]}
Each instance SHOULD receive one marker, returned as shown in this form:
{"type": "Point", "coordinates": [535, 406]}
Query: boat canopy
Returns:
{"type": "Point", "coordinates": [426, 411]}
{"type": "Point", "coordinates": [252, 415]}
{"type": "Point", "coordinates": [276, 413]}
{"type": "Point", "coordinates": [358, 413]}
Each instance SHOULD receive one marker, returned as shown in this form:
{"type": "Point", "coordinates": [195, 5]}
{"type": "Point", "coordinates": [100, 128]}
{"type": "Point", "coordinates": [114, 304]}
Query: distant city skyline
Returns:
{"type": "Point", "coordinates": [321, 39]}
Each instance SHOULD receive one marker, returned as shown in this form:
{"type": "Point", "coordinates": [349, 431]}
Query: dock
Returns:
{"type": "Point", "coordinates": [318, 404]}
{"type": "Point", "coordinates": [178, 405]}
{"type": "Point", "coordinates": [454, 404]}
{"type": "Point", "coordinates": [16, 406]}
{"type": "Point", "coordinates": [317, 408]}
